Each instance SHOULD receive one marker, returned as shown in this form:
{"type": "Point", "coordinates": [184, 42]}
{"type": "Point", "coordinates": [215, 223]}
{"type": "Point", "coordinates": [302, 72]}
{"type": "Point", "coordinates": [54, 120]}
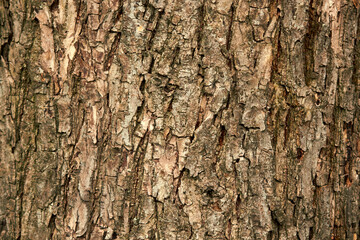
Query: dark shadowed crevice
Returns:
{"type": "Point", "coordinates": [52, 225]}
{"type": "Point", "coordinates": [310, 39]}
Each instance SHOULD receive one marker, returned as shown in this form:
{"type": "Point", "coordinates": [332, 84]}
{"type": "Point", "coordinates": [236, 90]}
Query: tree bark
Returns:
{"type": "Point", "coordinates": [187, 119]}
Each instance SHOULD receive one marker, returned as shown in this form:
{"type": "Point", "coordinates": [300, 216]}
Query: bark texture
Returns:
{"type": "Point", "coordinates": [179, 119]}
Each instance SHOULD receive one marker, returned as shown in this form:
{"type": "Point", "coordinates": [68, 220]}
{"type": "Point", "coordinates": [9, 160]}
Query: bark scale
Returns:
{"type": "Point", "coordinates": [164, 119]}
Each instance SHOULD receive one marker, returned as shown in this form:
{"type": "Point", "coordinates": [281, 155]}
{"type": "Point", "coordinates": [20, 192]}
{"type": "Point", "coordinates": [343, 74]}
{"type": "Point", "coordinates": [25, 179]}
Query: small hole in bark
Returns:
{"type": "Point", "coordinates": [54, 6]}
{"type": "Point", "coordinates": [311, 233]}
{"type": "Point", "coordinates": [142, 86]}
{"type": "Point", "coordinates": [151, 65]}
{"type": "Point", "coordinates": [52, 225]}
{"type": "Point", "coordinates": [36, 20]}
{"type": "Point", "coordinates": [168, 88]}
{"type": "Point", "coordinates": [2, 225]}
{"type": "Point", "coordinates": [300, 154]}
{"type": "Point", "coordinates": [4, 51]}
{"type": "Point", "coordinates": [210, 192]}
{"type": "Point", "coordinates": [197, 124]}
{"type": "Point", "coordinates": [222, 136]}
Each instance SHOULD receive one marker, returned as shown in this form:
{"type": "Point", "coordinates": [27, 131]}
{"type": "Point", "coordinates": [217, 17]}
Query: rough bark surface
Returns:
{"type": "Point", "coordinates": [179, 119]}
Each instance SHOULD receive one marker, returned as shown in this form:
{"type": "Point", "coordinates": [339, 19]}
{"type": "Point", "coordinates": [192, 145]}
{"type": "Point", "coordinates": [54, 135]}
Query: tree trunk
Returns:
{"type": "Point", "coordinates": [164, 119]}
